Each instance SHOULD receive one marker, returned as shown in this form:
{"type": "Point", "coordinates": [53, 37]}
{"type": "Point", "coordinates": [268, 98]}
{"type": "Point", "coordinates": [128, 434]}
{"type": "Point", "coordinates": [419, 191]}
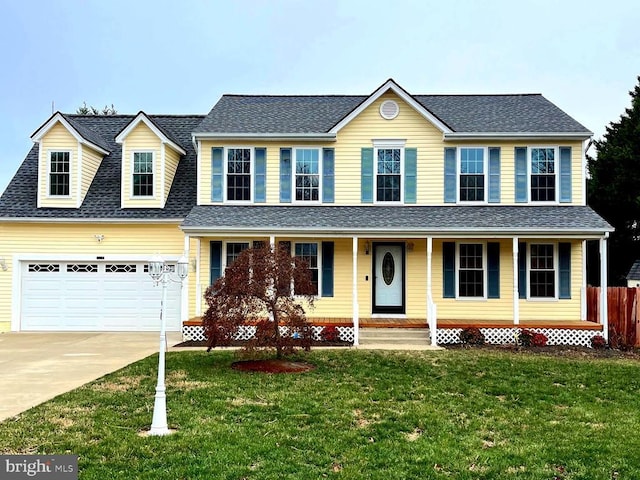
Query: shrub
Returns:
{"type": "Point", "coordinates": [525, 337]}
{"type": "Point", "coordinates": [472, 336]}
{"type": "Point", "coordinates": [330, 334]}
{"type": "Point", "coordinates": [539, 340]}
{"type": "Point", "coordinates": [598, 342]}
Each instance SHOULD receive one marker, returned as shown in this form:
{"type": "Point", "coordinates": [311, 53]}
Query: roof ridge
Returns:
{"type": "Point", "coordinates": [292, 96]}
{"type": "Point", "coordinates": [133, 115]}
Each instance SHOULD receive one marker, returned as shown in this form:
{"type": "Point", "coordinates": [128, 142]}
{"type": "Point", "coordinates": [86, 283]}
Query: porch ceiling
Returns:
{"type": "Point", "coordinates": [395, 221]}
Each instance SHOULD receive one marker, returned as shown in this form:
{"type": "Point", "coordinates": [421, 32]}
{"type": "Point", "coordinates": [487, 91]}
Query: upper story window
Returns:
{"type": "Point", "coordinates": [543, 175]}
{"type": "Point", "coordinates": [307, 174]}
{"type": "Point", "coordinates": [388, 171]}
{"type": "Point", "coordinates": [239, 174]}
{"type": "Point", "coordinates": [142, 174]}
{"type": "Point", "coordinates": [59, 174]}
{"type": "Point", "coordinates": [472, 175]}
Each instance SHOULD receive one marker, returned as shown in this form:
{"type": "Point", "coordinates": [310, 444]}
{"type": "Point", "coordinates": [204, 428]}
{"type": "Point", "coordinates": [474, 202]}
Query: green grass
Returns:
{"type": "Point", "coordinates": [463, 414]}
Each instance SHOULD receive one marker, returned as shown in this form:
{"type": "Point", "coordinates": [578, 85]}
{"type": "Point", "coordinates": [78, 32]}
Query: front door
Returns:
{"type": "Point", "coordinates": [388, 284]}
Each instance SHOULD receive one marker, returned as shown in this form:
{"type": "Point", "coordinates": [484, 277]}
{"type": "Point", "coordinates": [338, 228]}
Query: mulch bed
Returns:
{"type": "Point", "coordinates": [272, 366]}
{"type": "Point", "coordinates": [203, 343]}
{"type": "Point", "coordinates": [567, 351]}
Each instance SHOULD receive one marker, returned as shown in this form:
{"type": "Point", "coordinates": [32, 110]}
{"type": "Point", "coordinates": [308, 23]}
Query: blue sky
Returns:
{"type": "Point", "coordinates": [181, 56]}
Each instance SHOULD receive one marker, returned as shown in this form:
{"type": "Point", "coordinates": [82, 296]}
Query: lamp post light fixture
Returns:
{"type": "Point", "coordinates": [160, 274]}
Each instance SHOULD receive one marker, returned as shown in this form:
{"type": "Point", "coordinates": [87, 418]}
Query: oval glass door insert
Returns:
{"type": "Point", "coordinates": [388, 268]}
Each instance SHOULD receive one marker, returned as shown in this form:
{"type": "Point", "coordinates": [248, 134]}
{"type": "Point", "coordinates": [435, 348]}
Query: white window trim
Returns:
{"type": "Point", "coordinates": [485, 275]}
{"type": "Point", "coordinates": [319, 250]}
{"type": "Point", "coordinates": [293, 175]}
{"type": "Point", "coordinates": [49, 152]}
{"type": "Point", "coordinates": [556, 272]}
{"type": "Point", "coordinates": [485, 170]}
{"type": "Point", "coordinates": [153, 172]}
{"type": "Point", "coordinates": [556, 166]}
{"type": "Point", "coordinates": [252, 160]}
{"type": "Point", "coordinates": [383, 144]}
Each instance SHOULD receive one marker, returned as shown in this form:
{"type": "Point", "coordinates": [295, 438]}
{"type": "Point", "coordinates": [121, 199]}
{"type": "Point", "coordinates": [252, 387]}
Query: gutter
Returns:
{"type": "Point", "coordinates": [517, 135]}
{"type": "Point", "coordinates": [321, 137]}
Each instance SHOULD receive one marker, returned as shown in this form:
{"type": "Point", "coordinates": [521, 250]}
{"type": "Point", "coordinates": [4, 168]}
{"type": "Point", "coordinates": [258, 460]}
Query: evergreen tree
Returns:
{"type": "Point", "coordinates": [91, 110]}
{"type": "Point", "coordinates": [614, 187]}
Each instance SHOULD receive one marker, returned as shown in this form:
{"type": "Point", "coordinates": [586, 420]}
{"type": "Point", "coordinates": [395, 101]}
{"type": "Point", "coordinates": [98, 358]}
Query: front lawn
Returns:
{"type": "Point", "coordinates": [463, 414]}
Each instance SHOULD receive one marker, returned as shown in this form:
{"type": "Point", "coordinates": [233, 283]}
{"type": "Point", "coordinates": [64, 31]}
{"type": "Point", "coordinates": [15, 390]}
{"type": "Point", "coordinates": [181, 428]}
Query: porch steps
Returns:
{"type": "Point", "coordinates": [394, 337]}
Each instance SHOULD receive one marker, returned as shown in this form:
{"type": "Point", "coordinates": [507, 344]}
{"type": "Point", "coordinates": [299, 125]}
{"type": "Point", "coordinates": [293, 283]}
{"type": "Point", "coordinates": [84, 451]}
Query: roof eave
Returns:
{"type": "Point", "coordinates": [517, 135]}
{"type": "Point", "coordinates": [264, 136]}
{"type": "Point", "coordinates": [36, 137]}
{"type": "Point", "coordinates": [88, 220]}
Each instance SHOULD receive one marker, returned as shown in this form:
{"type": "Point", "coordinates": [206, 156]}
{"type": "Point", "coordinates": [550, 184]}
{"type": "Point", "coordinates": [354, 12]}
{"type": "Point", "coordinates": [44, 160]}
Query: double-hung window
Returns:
{"type": "Point", "coordinates": [472, 175]}
{"type": "Point", "coordinates": [542, 271]}
{"type": "Point", "coordinates": [543, 174]}
{"type": "Point", "coordinates": [307, 174]}
{"type": "Point", "coordinates": [234, 249]}
{"type": "Point", "coordinates": [309, 253]}
{"type": "Point", "coordinates": [239, 174]}
{"type": "Point", "coordinates": [388, 171]}
{"type": "Point", "coordinates": [471, 271]}
{"type": "Point", "coordinates": [59, 173]}
{"type": "Point", "coordinates": [142, 174]}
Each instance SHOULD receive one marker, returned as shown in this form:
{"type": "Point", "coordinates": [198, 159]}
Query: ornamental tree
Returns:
{"type": "Point", "coordinates": [267, 288]}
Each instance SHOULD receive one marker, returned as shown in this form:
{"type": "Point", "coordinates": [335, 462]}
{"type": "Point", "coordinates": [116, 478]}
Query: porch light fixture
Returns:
{"type": "Point", "coordinates": [3, 264]}
{"type": "Point", "coordinates": [99, 237]}
{"type": "Point", "coordinates": [160, 274]}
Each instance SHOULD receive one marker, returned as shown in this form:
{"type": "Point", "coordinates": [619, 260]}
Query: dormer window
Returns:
{"type": "Point", "coordinates": [59, 174]}
{"type": "Point", "coordinates": [142, 174]}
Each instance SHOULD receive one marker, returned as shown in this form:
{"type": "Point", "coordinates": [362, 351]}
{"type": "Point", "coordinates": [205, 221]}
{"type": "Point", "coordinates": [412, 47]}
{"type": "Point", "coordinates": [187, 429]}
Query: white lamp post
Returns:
{"type": "Point", "coordinates": [159, 273]}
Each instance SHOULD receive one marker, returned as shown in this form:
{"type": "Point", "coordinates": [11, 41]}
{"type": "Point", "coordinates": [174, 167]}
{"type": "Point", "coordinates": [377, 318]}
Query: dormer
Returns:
{"type": "Point", "coordinates": [69, 156]}
{"type": "Point", "coordinates": [150, 157]}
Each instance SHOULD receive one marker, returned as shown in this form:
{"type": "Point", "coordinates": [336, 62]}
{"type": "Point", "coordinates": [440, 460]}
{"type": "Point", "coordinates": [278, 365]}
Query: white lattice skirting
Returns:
{"type": "Point", "coordinates": [501, 336]}
{"type": "Point", "coordinates": [246, 332]}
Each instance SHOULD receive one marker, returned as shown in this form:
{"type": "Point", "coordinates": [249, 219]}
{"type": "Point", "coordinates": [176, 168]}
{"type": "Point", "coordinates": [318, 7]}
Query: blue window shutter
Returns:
{"type": "Point", "coordinates": [327, 269]}
{"type": "Point", "coordinates": [449, 269]}
{"type": "Point", "coordinates": [215, 264]}
{"type": "Point", "coordinates": [217, 172]}
{"type": "Point", "coordinates": [450, 175]}
{"type": "Point", "coordinates": [410, 174]}
{"type": "Point", "coordinates": [366, 182]}
{"type": "Point", "coordinates": [494, 174]}
{"type": "Point", "coordinates": [565, 174]}
{"type": "Point", "coordinates": [564, 263]}
{"type": "Point", "coordinates": [260, 178]}
{"type": "Point", "coordinates": [285, 175]}
{"type": "Point", "coordinates": [522, 270]}
{"type": "Point", "coordinates": [493, 269]}
{"type": "Point", "coordinates": [328, 175]}
{"type": "Point", "coordinates": [522, 184]}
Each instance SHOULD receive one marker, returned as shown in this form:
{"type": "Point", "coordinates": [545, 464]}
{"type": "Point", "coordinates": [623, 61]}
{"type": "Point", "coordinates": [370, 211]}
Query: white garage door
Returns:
{"type": "Point", "coordinates": [94, 295]}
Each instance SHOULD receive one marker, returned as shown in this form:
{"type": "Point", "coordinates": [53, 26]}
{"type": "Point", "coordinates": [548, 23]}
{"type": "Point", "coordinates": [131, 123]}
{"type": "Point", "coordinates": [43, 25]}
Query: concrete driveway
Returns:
{"type": "Point", "coordinates": [35, 367]}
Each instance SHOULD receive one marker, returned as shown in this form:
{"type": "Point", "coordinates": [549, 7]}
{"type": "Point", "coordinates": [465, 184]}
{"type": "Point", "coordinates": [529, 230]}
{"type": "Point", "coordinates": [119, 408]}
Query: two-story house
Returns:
{"type": "Point", "coordinates": [443, 211]}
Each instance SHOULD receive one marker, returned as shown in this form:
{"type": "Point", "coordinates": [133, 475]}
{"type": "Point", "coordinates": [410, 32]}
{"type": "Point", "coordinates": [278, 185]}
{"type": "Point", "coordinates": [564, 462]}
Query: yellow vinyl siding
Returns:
{"type": "Point", "coordinates": [90, 164]}
{"type": "Point", "coordinates": [141, 139]}
{"type": "Point", "coordinates": [172, 158]}
{"type": "Point", "coordinates": [58, 139]}
{"type": "Point", "coordinates": [78, 239]}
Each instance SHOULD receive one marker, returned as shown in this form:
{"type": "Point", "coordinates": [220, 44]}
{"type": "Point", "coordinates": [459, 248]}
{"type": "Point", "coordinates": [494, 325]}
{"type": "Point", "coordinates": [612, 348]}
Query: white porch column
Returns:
{"type": "Point", "coordinates": [272, 241]}
{"type": "Point", "coordinates": [198, 281]}
{"type": "Point", "coordinates": [604, 314]}
{"type": "Point", "coordinates": [516, 276]}
{"type": "Point", "coordinates": [431, 310]}
{"type": "Point", "coordinates": [583, 286]}
{"type": "Point", "coordinates": [184, 287]}
{"type": "Point", "coordinates": [356, 312]}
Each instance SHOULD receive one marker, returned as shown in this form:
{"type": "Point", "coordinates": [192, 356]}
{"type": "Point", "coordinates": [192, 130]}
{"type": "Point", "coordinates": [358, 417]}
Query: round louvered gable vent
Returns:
{"type": "Point", "coordinates": [389, 109]}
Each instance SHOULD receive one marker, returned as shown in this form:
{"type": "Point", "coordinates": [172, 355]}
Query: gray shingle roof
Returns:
{"type": "Point", "coordinates": [531, 113]}
{"type": "Point", "coordinates": [86, 133]}
{"type": "Point", "coordinates": [398, 219]}
{"type": "Point", "coordinates": [103, 198]}
{"type": "Point", "coordinates": [634, 272]}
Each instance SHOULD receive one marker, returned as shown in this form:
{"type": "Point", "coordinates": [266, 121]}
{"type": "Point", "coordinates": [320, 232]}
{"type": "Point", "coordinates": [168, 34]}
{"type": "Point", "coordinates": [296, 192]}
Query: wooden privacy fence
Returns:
{"type": "Point", "coordinates": [623, 306]}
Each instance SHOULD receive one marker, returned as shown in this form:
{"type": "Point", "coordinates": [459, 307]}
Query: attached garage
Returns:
{"type": "Point", "coordinates": [94, 296]}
